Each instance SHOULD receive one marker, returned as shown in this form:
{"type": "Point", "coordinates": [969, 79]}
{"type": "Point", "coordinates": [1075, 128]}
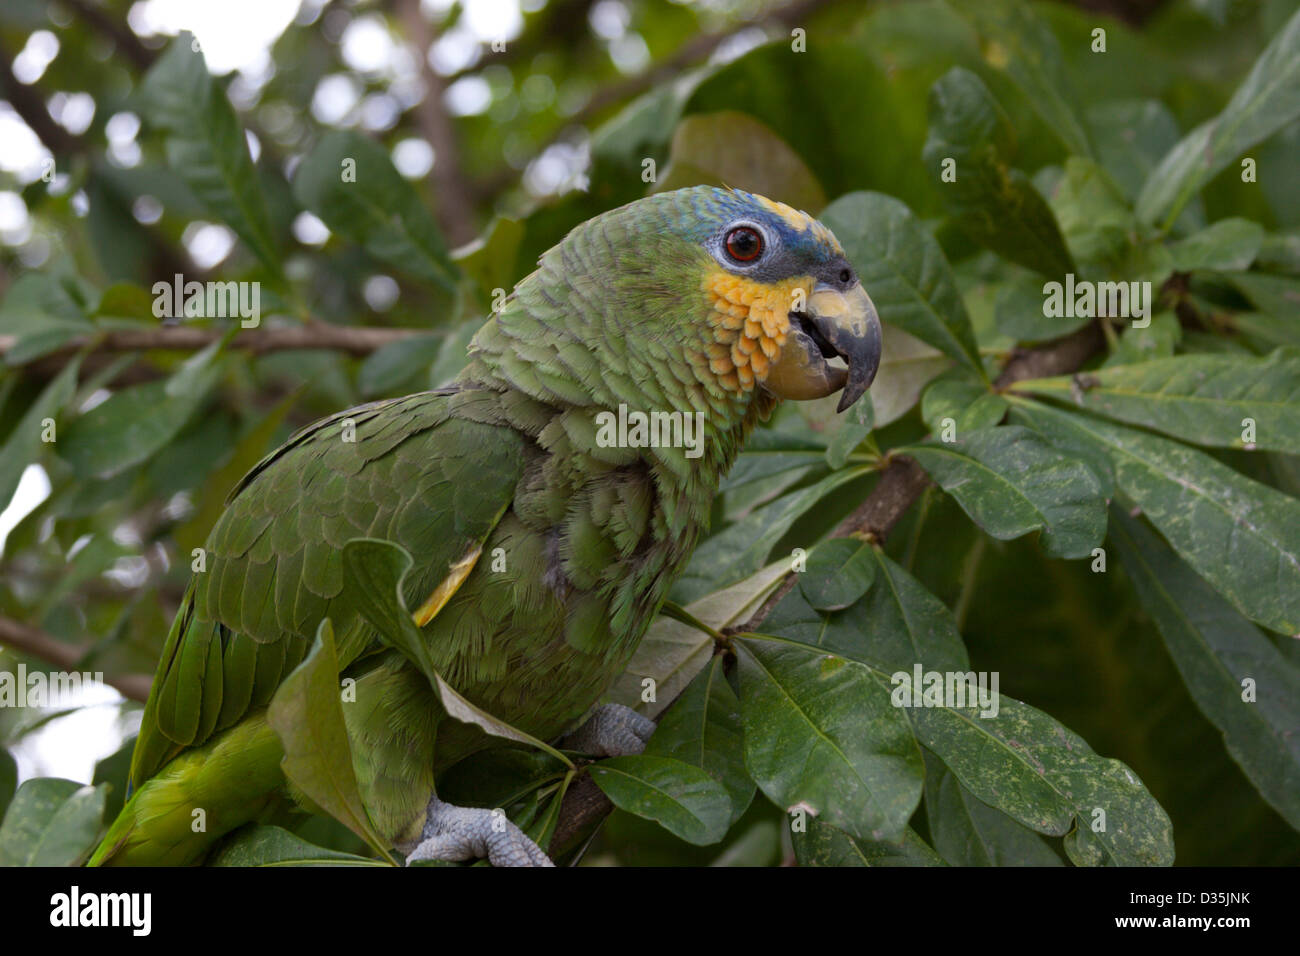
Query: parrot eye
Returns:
{"type": "Point", "coordinates": [744, 244]}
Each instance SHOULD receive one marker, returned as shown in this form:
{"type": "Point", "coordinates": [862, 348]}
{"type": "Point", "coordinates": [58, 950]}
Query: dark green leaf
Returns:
{"type": "Point", "coordinates": [134, 423]}
{"type": "Point", "coordinates": [350, 182]}
{"type": "Point", "coordinates": [51, 822]}
{"type": "Point", "coordinates": [995, 204]}
{"type": "Point", "coordinates": [1012, 482]}
{"type": "Point", "coordinates": [24, 445]}
{"type": "Point", "coordinates": [839, 572]}
{"type": "Point", "coordinates": [373, 571]}
{"type": "Point", "coordinates": [1266, 100]}
{"type": "Point", "coordinates": [307, 715]}
{"type": "Point", "coordinates": [1230, 245]}
{"type": "Point", "coordinates": [702, 728]}
{"type": "Point", "coordinates": [1199, 398]}
{"type": "Point", "coordinates": [206, 145]}
{"type": "Point", "coordinates": [682, 798]}
{"type": "Point", "coordinates": [1241, 536]}
{"type": "Point", "coordinates": [1217, 651]}
{"type": "Point", "coordinates": [904, 271]}
{"type": "Point", "coordinates": [1015, 40]}
{"type": "Point", "coordinates": [968, 832]}
{"type": "Point", "coordinates": [822, 735]}
{"type": "Point", "coordinates": [825, 845]}
{"type": "Point", "coordinates": [273, 846]}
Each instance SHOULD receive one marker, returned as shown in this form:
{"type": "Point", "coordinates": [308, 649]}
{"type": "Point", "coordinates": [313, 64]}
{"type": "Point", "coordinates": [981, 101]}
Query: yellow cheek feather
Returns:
{"type": "Point", "coordinates": [750, 321]}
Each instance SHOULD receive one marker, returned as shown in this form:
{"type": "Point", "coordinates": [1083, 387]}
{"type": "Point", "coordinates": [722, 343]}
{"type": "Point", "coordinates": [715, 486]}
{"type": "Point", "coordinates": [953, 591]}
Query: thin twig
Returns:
{"type": "Point", "coordinates": [353, 339]}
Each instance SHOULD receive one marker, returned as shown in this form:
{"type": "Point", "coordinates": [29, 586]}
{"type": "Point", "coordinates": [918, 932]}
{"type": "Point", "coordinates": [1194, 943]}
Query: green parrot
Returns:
{"type": "Point", "coordinates": [708, 302]}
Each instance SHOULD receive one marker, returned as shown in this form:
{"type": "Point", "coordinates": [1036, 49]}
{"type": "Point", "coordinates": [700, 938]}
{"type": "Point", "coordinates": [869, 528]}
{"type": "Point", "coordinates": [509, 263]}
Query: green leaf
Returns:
{"type": "Point", "coordinates": [680, 797]}
{"type": "Point", "coordinates": [273, 846]}
{"type": "Point", "coordinates": [821, 734]}
{"type": "Point", "coordinates": [1230, 245]}
{"type": "Point", "coordinates": [1241, 536]}
{"type": "Point", "coordinates": [205, 144]}
{"type": "Point", "coordinates": [1020, 311]}
{"type": "Point", "coordinates": [1131, 137]}
{"type": "Point", "coordinates": [307, 715]}
{"type": "Point", "coordinates": [967, 401]}
{"type": "Point", "coordinates": [389, 368]}
{"type": "Point", "coordinates": [1198, 398]}
{"type": "Point", "coordinates": [351, 183]}
{"type": "Point", "coordinates": [1267, 100]}
{"type": "Point", "coordinates": [904, 271]}
{"type": "Point", "coordinates": [792, 93]}
{"type": "Point", "coordinates": [1217, 652]}
{"type": "Point", "coordinates": [728, 148]}
{"type": "Point", "coordinates": [133, 424]}
{"type": "Point", "coordinates": [851, 433]}
{"type": "Point", "coordinates": [824, 845]}
{"type": "Point", "coordinates": [743, 548]}
{"type": "Point", "coordinates": [1036, 771]}
{"type": "Point", "coordinates": [672, 653]}
{"type": "Point", "coordinates": [1013, 39]}
{"type": "Point", "coordinates": [1011, 482]}
{"type": "Point", "coordinates": [373, 575]}
{"type": "Point", "coordinates": [1017, 759]}
{"type": "Point", "coordinates": [1095, 219]}
{"type": "Point", "coordinates": [1156, 341]}
{"type": "Point", "coordinates": [43, 313]}
{"type": "Point", "coordinates": [968, 832]}
{"type": "Point", "coordinates": [1277, 295]}
{"type": "Point", "coordinates": [895, 625]}
{"type": "Point", "coordinates": [907, 364]}
{"type": "Point", "coordinates": [994, 203]}
{"type": "Point", "coordinates": [51, 822]}
{"type": "Point", "coordinates": [769, 453]}
{"type": "Point", "coordinates": [24, 446]}
{"type": "Point", "coordinates": [702, 728]}
{"type": "Point", "coordinates": [839, 572]}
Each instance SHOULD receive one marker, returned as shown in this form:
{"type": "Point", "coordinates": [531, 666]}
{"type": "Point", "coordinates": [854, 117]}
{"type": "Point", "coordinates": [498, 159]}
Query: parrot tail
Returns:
{"type": "Point", "coordinates": [174, 817]}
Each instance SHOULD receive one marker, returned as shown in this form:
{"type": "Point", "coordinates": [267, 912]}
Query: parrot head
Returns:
{"type": "Point", "coordinates": [699, 298]}
{"type": "Point", "coordinates": [786, 311]}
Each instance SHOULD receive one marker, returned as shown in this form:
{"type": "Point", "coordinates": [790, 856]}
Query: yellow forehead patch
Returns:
{"type": "Point", "coordinates": [796, 220]}
{"type": "Point", "coordinates": [750, 321]}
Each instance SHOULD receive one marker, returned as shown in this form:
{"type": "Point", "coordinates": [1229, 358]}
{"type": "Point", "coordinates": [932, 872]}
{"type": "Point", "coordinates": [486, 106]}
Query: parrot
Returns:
{"type": "Point", "coordinates": [707, 301]}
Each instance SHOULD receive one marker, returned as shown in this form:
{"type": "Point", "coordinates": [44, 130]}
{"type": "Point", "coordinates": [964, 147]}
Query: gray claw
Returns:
{"type": "Point", "coordinates": [467, 833]}
{"type": "Point", "coordinates": [612, 731]}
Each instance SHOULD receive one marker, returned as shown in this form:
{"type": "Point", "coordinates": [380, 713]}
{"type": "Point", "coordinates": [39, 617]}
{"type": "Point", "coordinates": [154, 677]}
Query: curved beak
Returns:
{"type": "Point", "coordinates": [837, 324]}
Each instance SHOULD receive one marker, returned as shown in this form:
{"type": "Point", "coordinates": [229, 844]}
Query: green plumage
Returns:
{"type": "Point", "coordinates": [589, 538]}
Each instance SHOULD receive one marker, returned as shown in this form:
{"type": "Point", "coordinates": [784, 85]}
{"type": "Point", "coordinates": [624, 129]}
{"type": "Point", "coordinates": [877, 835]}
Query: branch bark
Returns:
{"type": "Point", "coordinates": [35, 642]}
{"type": "Point", "coordinates": [355, 340]}
{"type": "Point", "coordinates": [453, 192]}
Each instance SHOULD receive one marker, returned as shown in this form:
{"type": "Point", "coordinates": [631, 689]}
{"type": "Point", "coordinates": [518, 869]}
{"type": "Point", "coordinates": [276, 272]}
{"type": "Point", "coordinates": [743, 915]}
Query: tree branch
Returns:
{"type": "Point", "coordinates": [35, 642]}
{"type": "Point", "coordinates": [355, 340]}
{"type": "Point", "coordinates": [453, 192]}
{"type": "Point", "coordinates": [900, 486]}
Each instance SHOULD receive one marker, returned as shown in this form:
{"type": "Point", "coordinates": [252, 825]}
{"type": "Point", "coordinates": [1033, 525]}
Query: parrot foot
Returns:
{"type": "Point", "coordinates": [612, 731]}
{"type": "Point", "coordinates": [466, 833]}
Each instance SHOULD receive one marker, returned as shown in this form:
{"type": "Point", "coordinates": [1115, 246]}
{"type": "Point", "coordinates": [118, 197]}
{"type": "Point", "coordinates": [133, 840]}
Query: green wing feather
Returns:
{"type": "Point", "coordinates": [433, 472]}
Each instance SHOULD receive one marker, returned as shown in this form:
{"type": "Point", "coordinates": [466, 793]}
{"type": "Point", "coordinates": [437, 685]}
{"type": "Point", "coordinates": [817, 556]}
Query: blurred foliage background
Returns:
{"type": "Point", "coordinates": [123, 164]}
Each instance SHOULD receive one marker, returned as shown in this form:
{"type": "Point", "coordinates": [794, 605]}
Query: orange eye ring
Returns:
{"type": "Point", "coordinates": [744, 244]}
